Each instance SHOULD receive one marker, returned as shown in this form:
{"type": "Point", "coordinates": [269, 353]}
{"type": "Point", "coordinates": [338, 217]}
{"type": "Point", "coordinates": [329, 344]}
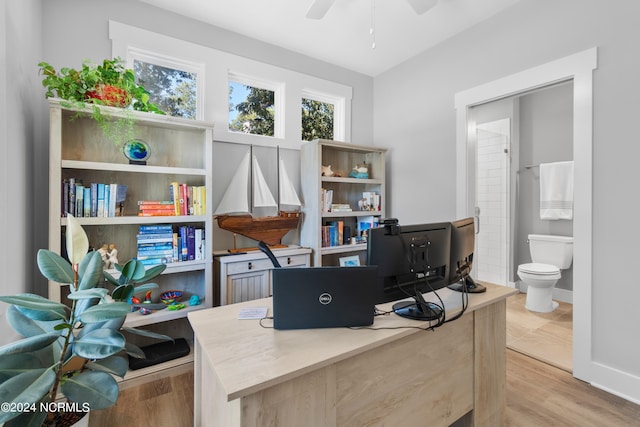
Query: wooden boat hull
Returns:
{"type": "Point", "coordinates": [269, 229]}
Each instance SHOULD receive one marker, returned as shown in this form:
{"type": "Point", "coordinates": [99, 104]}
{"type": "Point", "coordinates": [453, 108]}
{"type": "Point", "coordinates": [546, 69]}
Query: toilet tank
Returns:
{"type": "Point", "coordinates": [554, 250]}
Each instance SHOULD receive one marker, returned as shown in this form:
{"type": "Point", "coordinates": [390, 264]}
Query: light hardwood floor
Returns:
{"type": "Point", "coordinates": [547, 337]}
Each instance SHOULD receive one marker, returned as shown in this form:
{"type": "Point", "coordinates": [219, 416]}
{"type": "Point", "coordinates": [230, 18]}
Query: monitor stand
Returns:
{"type": "Point", "coordinates": [469, 285]}
{"type": "Point", "coordinates": [418, 309]}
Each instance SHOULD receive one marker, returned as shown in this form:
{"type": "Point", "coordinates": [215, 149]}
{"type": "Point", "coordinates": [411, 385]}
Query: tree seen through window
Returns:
{"type": "Point", "coordinates": [173, 90]}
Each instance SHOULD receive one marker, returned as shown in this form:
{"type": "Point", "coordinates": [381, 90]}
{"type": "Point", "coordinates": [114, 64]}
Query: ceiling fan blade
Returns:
{"type": "Point", "coordinates": [421, 6]}
{"type": "Point", "coordinates": [319, 8]}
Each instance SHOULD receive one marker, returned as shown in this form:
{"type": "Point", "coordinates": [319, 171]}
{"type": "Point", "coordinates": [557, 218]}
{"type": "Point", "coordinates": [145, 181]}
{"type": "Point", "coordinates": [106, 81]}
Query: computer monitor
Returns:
{"type": "Point", "coordinates": [411, 260]}
{"type": "Point", "coordinates": [463, 233]}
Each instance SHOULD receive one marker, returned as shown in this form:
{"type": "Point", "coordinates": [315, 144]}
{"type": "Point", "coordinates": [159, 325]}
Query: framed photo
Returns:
{"type": "Point", "coordinates": [350, 261]}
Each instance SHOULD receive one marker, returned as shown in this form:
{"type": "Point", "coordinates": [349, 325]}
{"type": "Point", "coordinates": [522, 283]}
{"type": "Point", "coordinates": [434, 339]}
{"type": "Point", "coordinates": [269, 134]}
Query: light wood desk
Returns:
{"type": "Point", "coordinates": [246, 375]}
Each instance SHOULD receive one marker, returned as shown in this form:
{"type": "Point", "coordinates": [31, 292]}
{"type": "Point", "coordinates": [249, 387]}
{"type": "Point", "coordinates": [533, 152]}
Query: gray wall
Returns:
{"type": "Point", "coordinates": [546, 135]}
{"type": "Point", "coordinates": [414, 115]}
{"type": "Point", "coordinates": [22, 151]}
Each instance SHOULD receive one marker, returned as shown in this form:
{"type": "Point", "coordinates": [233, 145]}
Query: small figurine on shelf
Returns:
{"type": "Point", "coordinates": [326, 171]}
{"type": "Point", "coordinates": [194, 300]}
{"type": "Point", "coordinates": [105, 255]}
{"type": "Point", "coordinates": [113, 256]}
{"type": "Point", "coordinates": [360, 171]}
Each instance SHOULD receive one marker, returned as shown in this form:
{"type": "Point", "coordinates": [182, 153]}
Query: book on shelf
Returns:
{"type": "Point", "coordinates": [199, 244]}
{"type": "Point", "coordinates": [154, 228]}
{"type": "Point", "coordinates": [371, 201]}
{"type": "Point", "coordinates": [83, 200]}
{"type": "Point", "coordinates": [327, 200]}
{"type": "Point", "coordinates": [341, 207]}
{"type": "Point", "coordinates": [174, 193]}
{"type": "Point", "coordinates": [366, 223]}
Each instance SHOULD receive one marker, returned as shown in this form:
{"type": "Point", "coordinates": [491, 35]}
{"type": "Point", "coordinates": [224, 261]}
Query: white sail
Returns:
{"type": "Point", "coordinates": [262, 196]}
{"type": "Point", "coordinates": [235, 199]}
{"type": "Point", "coordinates": [288, 195]}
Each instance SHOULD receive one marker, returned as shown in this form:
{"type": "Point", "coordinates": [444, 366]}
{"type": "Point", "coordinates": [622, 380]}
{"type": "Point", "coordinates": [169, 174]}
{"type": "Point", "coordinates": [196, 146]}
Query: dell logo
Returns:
{"type": "Point", "coordinates": [325, 298]}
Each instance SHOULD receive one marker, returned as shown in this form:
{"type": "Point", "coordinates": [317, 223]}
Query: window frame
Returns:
{"type": "Point", "coordinates": [339, 116]}
{"type": "Point", "coordinates": [278, 89]}
{"type": "Point", "coordinates": [155, 58]}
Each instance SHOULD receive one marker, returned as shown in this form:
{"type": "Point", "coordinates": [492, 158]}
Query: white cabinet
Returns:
{"type": "Point", "coordinates": [345, 191]}
{"type": "Point", "coordinates": [247, 276]}
{"type": "Point", "coordinates": [181, 151]}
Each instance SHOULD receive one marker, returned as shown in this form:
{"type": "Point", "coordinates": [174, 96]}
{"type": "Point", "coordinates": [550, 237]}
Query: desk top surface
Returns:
{"type": "Point", "coordinates": [247, 357]}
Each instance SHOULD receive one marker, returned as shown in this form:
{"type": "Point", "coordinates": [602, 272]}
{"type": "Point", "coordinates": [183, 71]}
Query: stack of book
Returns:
{"type": "Point", "coordinates": [92, 200]}
{"type": "Point", "coordinates": [155, 208]}
{"type": "Point", "coordinates": [155, 244]}
{"type": "Point", "coordinates": [341, 207]}
{"type": "Point", "coordinates": [327, 200]}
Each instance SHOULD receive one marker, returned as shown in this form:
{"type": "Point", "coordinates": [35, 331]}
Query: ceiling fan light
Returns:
{"type": "Point", "coordinates": [422, 6]}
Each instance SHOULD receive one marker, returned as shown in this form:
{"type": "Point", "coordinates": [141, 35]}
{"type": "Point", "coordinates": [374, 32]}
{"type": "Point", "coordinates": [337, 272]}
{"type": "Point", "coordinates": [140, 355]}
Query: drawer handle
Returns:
{"type": "Point", "coordinates": [289, 260]}
{"type": "Point", "coordinates": [250, 266]}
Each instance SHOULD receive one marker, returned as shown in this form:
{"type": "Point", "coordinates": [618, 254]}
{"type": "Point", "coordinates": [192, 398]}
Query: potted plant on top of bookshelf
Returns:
{"type": "Point", "coordinates": [107, 84]}
{"type": "Point", "coordinates": [69, 351]}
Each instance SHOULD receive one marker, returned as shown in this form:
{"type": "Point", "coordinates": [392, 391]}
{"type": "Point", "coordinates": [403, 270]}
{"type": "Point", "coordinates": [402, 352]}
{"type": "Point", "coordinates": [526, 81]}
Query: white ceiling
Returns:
{"type": "Point", "coordinates": [342, 37]}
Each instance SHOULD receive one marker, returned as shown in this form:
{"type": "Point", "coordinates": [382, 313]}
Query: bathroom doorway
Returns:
{"type": "Point", "coordinates": [577, 68]}
{"type": "Point", "coordinates": [512, 137]}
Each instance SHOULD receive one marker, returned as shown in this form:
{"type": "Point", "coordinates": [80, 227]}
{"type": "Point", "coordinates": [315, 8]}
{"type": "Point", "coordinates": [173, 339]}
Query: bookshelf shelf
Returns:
{"type": "Point", "coordinates": [119, 167]}
{"type": "Point", "coordinates": [181, 151]}
{"type": "Point", "coordinates": [342, 157]}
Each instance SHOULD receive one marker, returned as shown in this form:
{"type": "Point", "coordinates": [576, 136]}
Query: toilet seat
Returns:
{"type": "Point", "coordinates": [538, 271]}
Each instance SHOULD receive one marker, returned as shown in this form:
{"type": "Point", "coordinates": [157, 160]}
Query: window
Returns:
{"type": "Point", "coordinates": [173, 90]}
{"type": "Point", "coordinates": [317, 120]}
{"type": "Point", "coordinates": [173, 85]}
{"type": "Point", "coordinates": [251, 109]}
{"type": "Point", "coordinates": [255, 106]}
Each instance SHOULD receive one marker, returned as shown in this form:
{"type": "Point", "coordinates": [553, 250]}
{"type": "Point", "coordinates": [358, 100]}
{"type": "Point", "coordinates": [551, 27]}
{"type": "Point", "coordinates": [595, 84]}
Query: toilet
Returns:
{"type": "Point", "coordinates": [549, 254]}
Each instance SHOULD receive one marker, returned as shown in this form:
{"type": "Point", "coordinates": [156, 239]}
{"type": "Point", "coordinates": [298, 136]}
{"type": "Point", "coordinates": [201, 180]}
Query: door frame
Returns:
{"type": "Point", "coordinates": [579, 68]}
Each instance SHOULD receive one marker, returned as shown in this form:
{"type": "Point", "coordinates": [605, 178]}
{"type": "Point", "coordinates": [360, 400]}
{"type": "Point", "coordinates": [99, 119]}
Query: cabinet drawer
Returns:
{"type": "Point", "coordinates": [293, 260]}
{"type": "Point", "coordinates": [247, 266]}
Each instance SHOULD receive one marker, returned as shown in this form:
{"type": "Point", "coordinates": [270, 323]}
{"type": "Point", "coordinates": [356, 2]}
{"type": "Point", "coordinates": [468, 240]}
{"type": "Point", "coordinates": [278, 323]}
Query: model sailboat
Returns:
{"type": "Point", "coordinates": [234, 213]}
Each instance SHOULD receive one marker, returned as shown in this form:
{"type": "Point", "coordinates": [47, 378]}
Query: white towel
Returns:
{"type": "Point", "coordinates": [556, 190]}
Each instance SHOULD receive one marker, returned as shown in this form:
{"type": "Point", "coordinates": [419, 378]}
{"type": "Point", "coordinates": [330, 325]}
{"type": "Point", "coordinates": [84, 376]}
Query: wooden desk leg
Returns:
{"type": "Point", "coordinates": [490, 371]}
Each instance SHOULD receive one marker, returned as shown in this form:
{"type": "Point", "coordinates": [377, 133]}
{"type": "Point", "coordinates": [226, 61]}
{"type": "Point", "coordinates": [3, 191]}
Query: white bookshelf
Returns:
{"type": "Point", "coordinates": [342, 157]}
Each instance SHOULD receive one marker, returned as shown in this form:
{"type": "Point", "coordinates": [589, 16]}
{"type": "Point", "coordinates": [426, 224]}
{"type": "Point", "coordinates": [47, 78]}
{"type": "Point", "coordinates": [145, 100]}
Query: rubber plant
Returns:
{"type": "Point", "coordinates": [69, 352]}
{"type": "Point", "coordinates": [108, 84]}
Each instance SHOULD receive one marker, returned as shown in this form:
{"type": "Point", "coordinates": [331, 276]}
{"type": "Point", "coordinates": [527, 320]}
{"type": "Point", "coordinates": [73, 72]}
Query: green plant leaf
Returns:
{"type": "Point", "coordinates": [99, 344]}
{"type": "Point", "coordinates": [122, 293]}
{"type": "Point", "coordinates": [27, 419]}
{"type": "Point", "coordinates": [30, 328]}
{"type": "Point", "coordinates": [134, 351]}
{"type": "Point", "coordinates": [98, 389]}
{"type": "Point", "coordinates": [152, 272]}
{"type": "Point", "coordinates": [90, 270]}
{"type": "Point", "coordinates": [37, 307]}
{"type": "Point", "coordinates": [15, 364]}
{"type": "Point", "coordinates": [28, 344]}
{"type": "Point", "coordinates": [145, 288]}
{"type": "Point", "coordinates": [102, 312]}
{"type": "Point", "coordinates": [54, 267]}
{"type": "Point", "coordinates": [89, 293]}
{"type": "Point", "coordinates": [28, 387]}
{"type": "Point", "coordinates": [149, 334]}
{"type": "Point", "coordinates": [116, 365]}
{"type": "Point", "coordinates": [77, 241]}
{"type": "Point", "coordinates": [110, 278]}
{"type": "Point", "coordinates": [134, 270]}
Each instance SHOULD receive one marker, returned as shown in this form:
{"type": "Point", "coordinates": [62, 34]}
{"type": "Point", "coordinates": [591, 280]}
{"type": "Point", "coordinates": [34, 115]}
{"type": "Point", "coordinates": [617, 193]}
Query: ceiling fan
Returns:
{"type": "Point", "coordinates": [320, 7]}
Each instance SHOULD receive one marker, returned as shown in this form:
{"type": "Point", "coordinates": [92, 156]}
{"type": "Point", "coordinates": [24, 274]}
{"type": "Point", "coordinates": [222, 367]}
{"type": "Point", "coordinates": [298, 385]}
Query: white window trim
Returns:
{"type": "Point", "coordinates": [155, 58]}
{"type": "Point", "coordinates": [217, 65]}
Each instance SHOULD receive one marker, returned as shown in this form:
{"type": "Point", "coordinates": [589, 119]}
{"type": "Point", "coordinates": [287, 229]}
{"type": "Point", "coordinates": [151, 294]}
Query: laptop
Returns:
{"type": "Point", "coordinates": [323, 297]}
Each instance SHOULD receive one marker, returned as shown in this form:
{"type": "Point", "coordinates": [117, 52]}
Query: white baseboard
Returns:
{"type": "Point", "coordinates": [614, 381]}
